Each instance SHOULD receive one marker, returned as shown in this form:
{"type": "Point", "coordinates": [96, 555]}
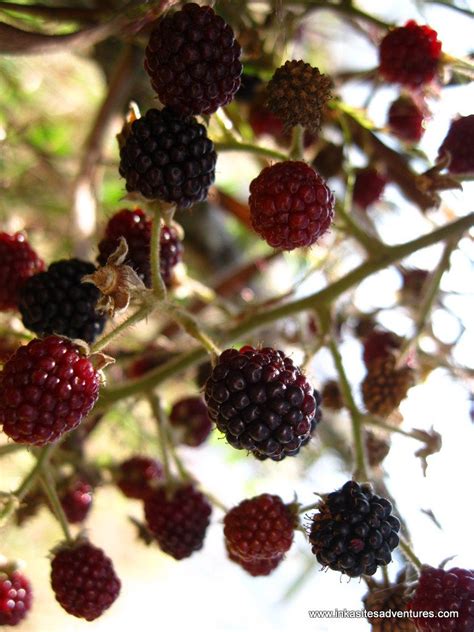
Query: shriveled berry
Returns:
{"type": "Point", "coordinates": [385, 386]}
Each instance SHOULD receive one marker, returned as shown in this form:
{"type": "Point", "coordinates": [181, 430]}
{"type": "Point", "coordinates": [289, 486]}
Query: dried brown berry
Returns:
{"type": "Point", "coordinates": [385, 386]}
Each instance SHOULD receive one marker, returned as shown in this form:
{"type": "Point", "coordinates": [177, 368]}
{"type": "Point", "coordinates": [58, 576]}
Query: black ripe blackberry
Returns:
{"type": "Point", "coordinates": [354, 531]}
{"type": "Point", "coordinates": [261, 401]}
{"type": "Point", "coordinates": [192, 59]}
{"type": "Point", "coordinates": [168, 157]}
{"type": "Point", "coordinates": [56, 302]}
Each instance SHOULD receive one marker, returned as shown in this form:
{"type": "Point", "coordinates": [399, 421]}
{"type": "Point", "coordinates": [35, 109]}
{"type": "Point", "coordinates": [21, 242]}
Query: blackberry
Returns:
{"type": "Point", "coordinates": [261, 402]}
{"type": "Point", "coordinates": [256, 567]}
{"type": "Point", "coordinates": [193, 62]}
{"type": "Point", "coordinates": [439, 590]}
{"type": "Point", "coordinates": [46, 388]}
{"type": "Point", "coordinates": [260, 528]}
{"type": "Point", "coordinates": [383, 597]}
{"type": "Point", "coordinates": [405, 119]}
{"type": "Point", "coordinates": [369, 185]}
{"type": "Point", "coordinates": [385, 386]}
{"type": "Point", "coordinates": [297, 94]}
{"type": "Point", "coordinates": [16, 595]}
{"type": "Point", "coordinates": [354, 531]}
{"type": "Point", "coordinates": [168, 158]}
{"type": "Point", "coordinates": [328, 161]}
{"type": "Point", "coordinates": [189, 416]}
{"type": "Point", "coordinates": [291, 206]}
{"type": "Point", "coordinates": [178, 517]}
{"type": "Point", "coordinates": [56, 302]}
{"type": "Point", "coordinates": [136, 228]}
{"type": "Point", "coordinates": [379, 344]}
{"type": "Point", "coordinates": [331, 395]}
{"type": "Point", "coordinates": [18, 263]}
{"type": "Point", "coordinates": [459, 144]}
{"type": "Point", "coordinates": [84, 580]}
{"type": "Point", "coordinates": [76, 501]}
{"type": "Point", "coordinates": [410, 55]}
{"type": "Point", "coordinates": [377, 448]}
{"type": "Point", "coordinates": [138, 476]}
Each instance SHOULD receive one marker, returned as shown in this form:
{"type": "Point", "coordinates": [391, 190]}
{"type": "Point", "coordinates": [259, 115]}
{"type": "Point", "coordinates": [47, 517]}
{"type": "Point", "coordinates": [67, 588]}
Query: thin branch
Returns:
{"type": "Point", "coordinates": [58, 14]}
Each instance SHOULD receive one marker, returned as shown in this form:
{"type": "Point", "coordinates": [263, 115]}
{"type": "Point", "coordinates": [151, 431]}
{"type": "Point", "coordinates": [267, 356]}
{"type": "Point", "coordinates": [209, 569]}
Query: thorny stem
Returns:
{"type": "Point", "coordinates": [160, 417]}
{"type": "Point", "coordinates": [253, 149]}
{"type": "Point", "coordinates": [191, 327]}
{"type": "Point", "coordinates": [140, 314]}
{"type": "Point", "coordinates": [360, 471]}
{"type": "Point", "coordinates": [159, 288]}
{"type": "Point", "coordinates": [409, 554]}
{"type": "Point", "coordinates": [255, 321]}
{"type": "Point", "coordinates": [52, 495]}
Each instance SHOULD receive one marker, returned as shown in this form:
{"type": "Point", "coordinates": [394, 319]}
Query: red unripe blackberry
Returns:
{"type": "Point", "coordinates": [16, 595]}
{"type": "Point", "coordinates": [18, 263]}
{"type": "Point", "coordinates": [369, 185]}
{"type": "Point", "coordinates": [76, 501]}
{"type": "Point", "coordinates": [84, 580]}
{"type": "Point", "coordinates": [138, 476]}
{"type": "Point", "coordinates": [57, 302]}
{"type": "Point", "coordinates": [46, 388]}
{"type": "Point", "coordinates": [191, 417]}
{"type": "Point", "coordinates": [354, 531]}
{"type": "Point", "coordinates": [167, 157]}
{"type": "Point", "coordinates": [178, 517]}
{"type": "Point", "coordinates": [260, 528]}
{"type": "Point", "coordinates": [192, 59]}
{"type": "Point", "coordinates": [405, 119]}
{"type": "Point", "coordinates": [258, 567]}
{"type": "Point", "coordinates": [379, 344]}
{"type": "Point", "coordinates": [459, 142]}
{"type": "Point", "coordinates": [291, 206]}
{"type": "Point", "coordinates": [261, 401]}
{"type": "Point", "coordinates": [136, 227]}
{"type": "Point", "coordinates": [439, 590]}
{"type": "Point", "coordinates": [410, 55]}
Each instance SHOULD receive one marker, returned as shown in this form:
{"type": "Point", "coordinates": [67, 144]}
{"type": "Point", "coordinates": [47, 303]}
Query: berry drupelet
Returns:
{"type": "Point", "coordinates": [190, 417]}
{"type": "Point", "coordinates": [261, 401]}
{"type": "Point", "coordinates": [136, 228]}
{"type": "Point", "coordinates": [439, 590]}
{"type": "Point", "coordinates": [57, 302]}
{"type": "Point", "coordinates": [291, 206]}
{"type": "Point", "coordinates": [18, 263]}
{"type": "Point", "coordinates": [354, 531]}
{"type": "Point", "coordinates": [167, 157]}
{"type": "Point", "coordinates": [459, 143]}
{"type": "Point", "coordinates": [178, 518]}
{"type": "Point", "coordinates": [84, 580]}
{"type": "Point", "coordinates": [405, 119]}
{"type": "Point", "coordinates": [193, 62]}
{"type": "Point", "coordinates": [46, 388]}
{"type": "Point", "coordinates": [16, 595]}
{"type": "Point", "coordinates": [369, 185]}
{"type": "Point", "coordinates": [76, 501]}
{"type": "Point", "coordinates": [410, 55]}
{"type": "Point", "coordinates": [138, 476]}
{"type": "Point", "coordinates": [260, 528]}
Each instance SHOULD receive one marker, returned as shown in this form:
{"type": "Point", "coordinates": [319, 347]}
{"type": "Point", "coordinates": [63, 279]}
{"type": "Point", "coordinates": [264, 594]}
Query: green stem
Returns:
{"type": "Point", "coordinates": [183, 473]}
{"type": "Point", "coordinates": [409, 554]}
{"type": "Point", "coordinates": [371, 244]}
{"type": "Point", "coordinates": [344, 8]}
{"type": "Point", "coordinates": [139, 315]}
{"type": "Point", "coordinates": [297, 143]}
{"type": "Point", "coordinates": [160, 417]}
{"type": "Point", "coordinates": [10, 448]}
{"type": "Point", "coordinates": [159, 288]}
{"type": "Point", "coordinates": [191, 327]}
{"type": "Point", "coordinates": [306, 508]}
{"type": "Point", "coordinates": [360, 471]}
{"type": "Point", "coordinates": [255, 321]}
{"type": "Point", "coordinates": [52, 495]}
{"type": "Point", "coordinates": [28, 482]}
{"type": "Point", "coordinates": [253, 149]}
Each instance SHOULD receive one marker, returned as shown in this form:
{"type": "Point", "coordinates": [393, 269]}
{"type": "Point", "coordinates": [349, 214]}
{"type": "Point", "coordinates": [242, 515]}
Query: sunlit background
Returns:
{"type": "Point", "coordinates": [206, 591]}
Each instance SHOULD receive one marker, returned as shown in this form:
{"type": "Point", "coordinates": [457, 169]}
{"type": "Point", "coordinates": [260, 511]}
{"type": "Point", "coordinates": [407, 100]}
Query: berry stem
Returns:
{"type": "Point", "coordinates": [139, 315]}
{"type": "Point", "coordinates": [297, 144]}
{"type": "Point", "coordinates": [161, 422]}
{"type": "Point", "coordinates": [191, 327]}
{"type": "Point", "coordinates": [182, 471]}
{"type": "Point", "coordinates": [253, 149]}
{"type": "Point", "coordinates": [409, 554]}
{"type": "Point", "coordinates": [41, 460]}
{"type": "Point", "coordinates": [429, 294]}
{"type": "Point", "coordinates": [307, 508]}
{"type": "Point", "coordinates": [360, 470]}
{"type": "Point", "coordinates": [384, 426]}
{"type": "Point", "coordinates": [49, 489]}
{"type": "Point", "coordinates": [159, 288]}
{"type": "Point", "coordinates": [10, 448]}
{"type": "Point", "coordinates": [247, 324]}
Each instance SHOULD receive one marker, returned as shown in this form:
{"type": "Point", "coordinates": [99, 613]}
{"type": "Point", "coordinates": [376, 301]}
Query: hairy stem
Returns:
{"type": "Point", "coordinates": [140, 314]}
{"type": "Point", "coordinates": [159, 288]}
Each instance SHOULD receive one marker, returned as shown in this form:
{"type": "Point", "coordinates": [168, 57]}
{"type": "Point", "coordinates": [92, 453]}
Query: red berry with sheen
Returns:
{"type": "Point", "coordinates": [459, 143]}
{"type": "Point", "coordinates": [76, 501]}
{"type": "Point", "coordinates": [410, 55]}
{"type": "Point", "coordinates": [46, 388]}
{"type": "Point", "coordinates": [291, 206]}
{"type": "Point", "coordinates": [18, 262]}
{"type": "Point", "coordinates": [138, 476]}
{"type": "Point", "coordinates": [257, 567]}
{"type": "Point", "coordinates": [16, 595]}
